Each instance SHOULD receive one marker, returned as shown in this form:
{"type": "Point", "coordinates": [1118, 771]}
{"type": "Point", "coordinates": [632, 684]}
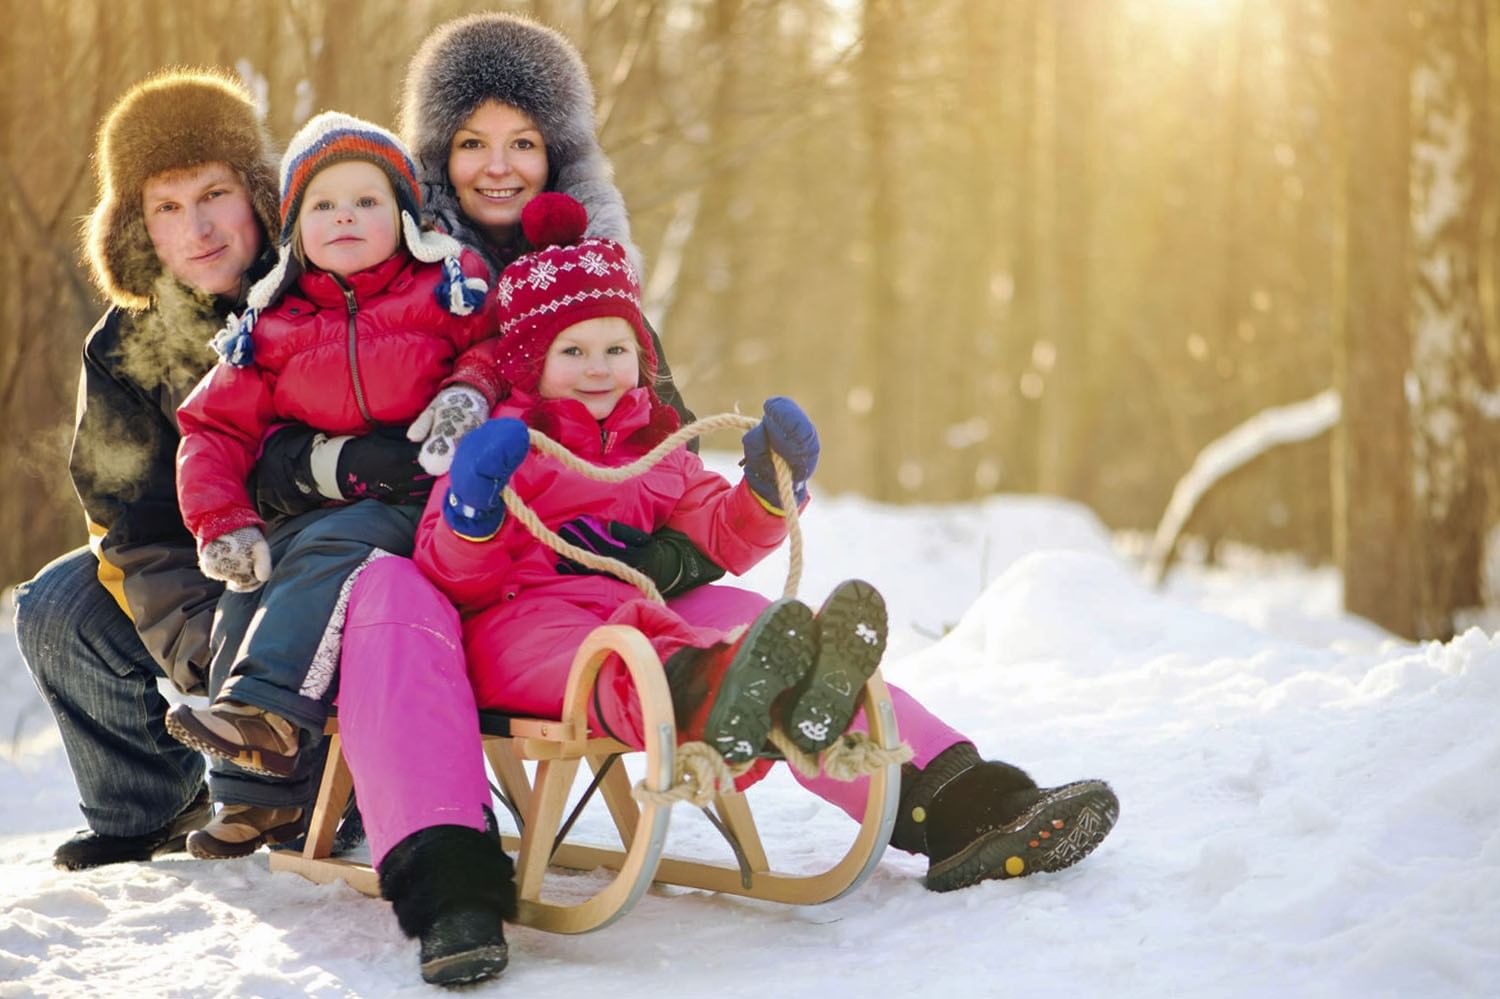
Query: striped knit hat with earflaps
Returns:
{"type": "Point", "coordinates": [326, 139]}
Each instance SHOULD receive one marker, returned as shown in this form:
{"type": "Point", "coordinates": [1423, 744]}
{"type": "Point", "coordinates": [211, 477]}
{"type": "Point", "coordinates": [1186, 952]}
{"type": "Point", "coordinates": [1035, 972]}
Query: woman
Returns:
{"type": "Point", "coordinates": [497, 109]}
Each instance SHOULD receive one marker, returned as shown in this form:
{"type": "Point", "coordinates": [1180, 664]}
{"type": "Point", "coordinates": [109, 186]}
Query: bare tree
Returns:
{"type": "Point", "coordinates": [1375, 515]}
{"type": "Point", "coordinates": [1451, 164]}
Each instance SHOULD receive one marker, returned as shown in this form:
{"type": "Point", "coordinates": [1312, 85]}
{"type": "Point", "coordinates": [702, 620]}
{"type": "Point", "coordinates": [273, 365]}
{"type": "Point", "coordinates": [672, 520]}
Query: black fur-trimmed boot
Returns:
{"type": "Point", "coordinates": [451, 886]}
{"type": "Point", "coordinates": [977, 820]}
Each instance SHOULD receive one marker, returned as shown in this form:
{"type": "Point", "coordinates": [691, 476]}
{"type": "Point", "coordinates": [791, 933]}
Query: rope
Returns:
{"type": "Point", "coordinates": [622, 473]}
{"type": "Point", "coordinates": [699, 772]}
{"type": "Point", "coordinates": [797, 758]}
{"type": "Point", "coordinates": [855, 754]}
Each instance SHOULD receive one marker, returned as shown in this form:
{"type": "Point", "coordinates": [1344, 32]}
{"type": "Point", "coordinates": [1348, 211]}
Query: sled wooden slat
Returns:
{"type": "Point", "coordinates": [556, 748]}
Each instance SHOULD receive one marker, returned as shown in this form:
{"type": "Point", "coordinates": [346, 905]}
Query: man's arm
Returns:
{"type": "Point", "coordinates": [122, 464]}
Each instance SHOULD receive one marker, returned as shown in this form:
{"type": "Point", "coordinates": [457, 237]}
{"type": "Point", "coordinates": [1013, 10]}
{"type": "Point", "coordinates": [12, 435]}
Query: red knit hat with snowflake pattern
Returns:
{"type": "Point", "coordinates": [567, 279]}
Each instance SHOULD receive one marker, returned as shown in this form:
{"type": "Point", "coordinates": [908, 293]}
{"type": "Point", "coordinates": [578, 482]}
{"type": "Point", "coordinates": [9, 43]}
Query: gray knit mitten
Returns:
{"type": "Point", "coordinates": [241, 558]}
{"type": "Point", "coordinates": [452, 413]}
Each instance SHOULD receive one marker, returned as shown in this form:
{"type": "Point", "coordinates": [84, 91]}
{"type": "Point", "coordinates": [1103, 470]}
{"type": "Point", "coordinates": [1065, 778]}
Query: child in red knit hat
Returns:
{"type": "Point", "coordinates": [579, 367]}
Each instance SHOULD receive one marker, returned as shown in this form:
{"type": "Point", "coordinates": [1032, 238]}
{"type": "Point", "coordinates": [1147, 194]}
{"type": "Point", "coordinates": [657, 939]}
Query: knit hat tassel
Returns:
{"type": "Point", "coordinates": [233, 343]}
{"type": "Point", "coordinates": [458, 294]}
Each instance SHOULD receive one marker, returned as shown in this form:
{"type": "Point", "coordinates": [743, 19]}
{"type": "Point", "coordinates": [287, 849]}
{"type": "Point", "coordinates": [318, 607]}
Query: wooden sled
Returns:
{"type": "Point", "coordinates": [539, 803]}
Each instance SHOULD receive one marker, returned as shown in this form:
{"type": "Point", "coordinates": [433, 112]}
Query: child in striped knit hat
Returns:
{"type": "Point", "coordinates": [365, 323]}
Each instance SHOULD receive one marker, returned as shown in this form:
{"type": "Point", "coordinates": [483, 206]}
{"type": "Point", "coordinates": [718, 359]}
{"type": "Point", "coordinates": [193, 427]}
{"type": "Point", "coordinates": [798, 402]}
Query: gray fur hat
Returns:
{"type": "Point", "coordinates": [173, 120]}
{"type": "Point", "coordinates": [516, 61]}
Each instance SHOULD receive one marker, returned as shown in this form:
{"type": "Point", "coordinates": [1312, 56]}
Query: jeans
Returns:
{"type": "Point", "coordinates": [100, 682]}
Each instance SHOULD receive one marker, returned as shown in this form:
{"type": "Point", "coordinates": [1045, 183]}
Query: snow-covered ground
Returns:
{"type": "Point", "coordinates": [1308, 808]}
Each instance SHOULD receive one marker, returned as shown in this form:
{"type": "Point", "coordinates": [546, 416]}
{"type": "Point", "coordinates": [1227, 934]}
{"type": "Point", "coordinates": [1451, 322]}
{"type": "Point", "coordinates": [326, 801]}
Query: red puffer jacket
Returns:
{"type": "Point", "coordinates": [341, 357]}
{"type": "Point", "coordinates": [724, 520]}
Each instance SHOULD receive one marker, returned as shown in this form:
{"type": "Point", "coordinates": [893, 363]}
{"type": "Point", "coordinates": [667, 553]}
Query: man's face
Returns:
{"type": "Point", "coordinates": [202, 225]}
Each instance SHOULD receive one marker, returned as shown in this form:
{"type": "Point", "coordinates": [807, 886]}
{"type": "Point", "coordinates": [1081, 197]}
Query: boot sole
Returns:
{"type": "Point", "coordinates": [777, 651]}
{"type": "Point", "coordinates": [466, 967]}
{"type": "Point", "coordinates": [183, 726]}
{"type": "Point", "coordinates": [1057, 832]}
{"type": "Point", "coordinates": [204, 845]}
{"type": "Point", "coordinates": [852, 632]}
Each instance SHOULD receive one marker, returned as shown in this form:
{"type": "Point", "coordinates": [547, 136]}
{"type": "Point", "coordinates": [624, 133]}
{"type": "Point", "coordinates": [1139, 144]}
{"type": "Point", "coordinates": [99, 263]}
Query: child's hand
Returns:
{"type": "Point", "coordinates": [241, 558]}
{"type": "Point", "coordinates": [668, 557]}
{"type": "Point", "coordinates": [483, 463]}
{"type": "Point", "coordinates": [786, 430]}
{"type": "Point", "coordinates": [452, 413]}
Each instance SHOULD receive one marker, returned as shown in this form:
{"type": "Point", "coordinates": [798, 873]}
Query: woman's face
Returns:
{"type": "Point", "coordinates": [497, 163]}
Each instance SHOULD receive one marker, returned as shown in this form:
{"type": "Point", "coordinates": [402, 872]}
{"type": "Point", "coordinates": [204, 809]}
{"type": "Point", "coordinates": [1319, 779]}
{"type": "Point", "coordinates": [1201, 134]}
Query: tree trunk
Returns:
{"type": "Point", "coordinates": [1065, 459]}
{"type": "Point", "coordinates": [1374, 511]}
{"type": "Point", "coordinates": [877, 67]}
{"type": "Point", "coordinates": [1450, 164]}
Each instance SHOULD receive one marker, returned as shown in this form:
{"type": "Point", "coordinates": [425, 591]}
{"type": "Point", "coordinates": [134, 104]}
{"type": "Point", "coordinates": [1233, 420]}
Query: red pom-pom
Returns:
{"type": "Point", "coordinates": [553, 219]}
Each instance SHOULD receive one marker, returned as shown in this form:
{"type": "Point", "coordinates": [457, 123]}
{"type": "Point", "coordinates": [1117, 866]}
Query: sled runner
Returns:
{"type": "Point", "coordinates": [536, 761]}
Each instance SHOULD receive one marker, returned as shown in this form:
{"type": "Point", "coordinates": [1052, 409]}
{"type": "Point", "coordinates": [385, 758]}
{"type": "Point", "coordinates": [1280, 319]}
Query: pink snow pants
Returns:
{"type": "Point", "coordinates": [408, 716]}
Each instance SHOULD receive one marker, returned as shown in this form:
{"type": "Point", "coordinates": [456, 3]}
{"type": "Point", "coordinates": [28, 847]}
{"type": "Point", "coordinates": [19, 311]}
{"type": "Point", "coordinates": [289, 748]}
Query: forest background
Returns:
{"type": "Point", "coordinates": [991, 245]}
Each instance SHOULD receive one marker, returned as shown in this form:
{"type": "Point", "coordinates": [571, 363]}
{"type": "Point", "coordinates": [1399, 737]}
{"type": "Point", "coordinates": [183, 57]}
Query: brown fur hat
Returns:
{"type": "Point", "coordinates": [173, 120]}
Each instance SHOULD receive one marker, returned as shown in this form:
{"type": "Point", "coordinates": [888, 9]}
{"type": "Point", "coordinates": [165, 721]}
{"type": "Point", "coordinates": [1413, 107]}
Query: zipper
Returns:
{"type": "Point", "coordinates": [359, 389]}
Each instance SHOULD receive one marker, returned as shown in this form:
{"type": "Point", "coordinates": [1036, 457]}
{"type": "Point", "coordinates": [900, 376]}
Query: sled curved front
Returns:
{"type": "Point", "coordinates": [642, 826]}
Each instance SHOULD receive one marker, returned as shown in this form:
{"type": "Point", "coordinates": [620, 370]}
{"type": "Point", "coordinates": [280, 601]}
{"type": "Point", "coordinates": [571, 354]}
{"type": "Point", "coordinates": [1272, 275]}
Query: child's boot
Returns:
{"type": "Point", "coordinates": [252, 738]}
{"type": "Point", "coordinates": [451, 886]}
{"type": "Point", "coordinates": [851, 641]}
{"type": "Point", "coordinates": [977, 820]}
{"type": "Point", "coordinates": [240, 830]}
{"type": "Point", "coordinates": [722, 695]}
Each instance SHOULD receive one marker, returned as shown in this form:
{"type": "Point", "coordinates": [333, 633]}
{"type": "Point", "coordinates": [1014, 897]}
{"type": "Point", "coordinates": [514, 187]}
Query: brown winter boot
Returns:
{"type": "Point", "coordinates": [723, 695]}
{"type": "Point", "coordinates": [252, 738]}
{"type": "Point", "coordinates": [240, 830]}
{"type": "Point", "coordinates": [977, 820]}
{"type": "Point", "coordinates": [851, 640]}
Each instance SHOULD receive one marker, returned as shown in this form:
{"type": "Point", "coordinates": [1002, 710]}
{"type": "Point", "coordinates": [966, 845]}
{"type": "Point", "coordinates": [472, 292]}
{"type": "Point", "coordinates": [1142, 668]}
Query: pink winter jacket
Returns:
{"type": "Point", "coordinates": [339, 362]}
{"type": "Point", "coordinates": [725, 521]}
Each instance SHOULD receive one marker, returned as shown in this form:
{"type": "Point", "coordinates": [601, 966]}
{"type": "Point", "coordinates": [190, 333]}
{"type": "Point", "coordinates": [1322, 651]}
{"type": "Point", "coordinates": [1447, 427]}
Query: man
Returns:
{"type": "Point", "coordinates": [187, 195]}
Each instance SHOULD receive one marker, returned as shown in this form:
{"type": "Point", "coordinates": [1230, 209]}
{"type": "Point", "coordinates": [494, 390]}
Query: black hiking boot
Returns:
{"type": "Point", "coordinates": [451, 886]}
{"type": "Point", "coordinates": [978, 820]}
{"type": "Point", "coordinates": [851, 641]}
{"type": "Point", "coordinates": [91, 849]}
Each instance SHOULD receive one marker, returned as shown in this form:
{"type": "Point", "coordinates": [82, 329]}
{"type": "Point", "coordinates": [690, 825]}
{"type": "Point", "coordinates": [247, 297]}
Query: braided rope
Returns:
{"type": "Point", "coordinates": [855, 754]}
{"type": "Point", "coordinates": [622, 473]}
{"type": "Point", "coordinates": [699, 772]}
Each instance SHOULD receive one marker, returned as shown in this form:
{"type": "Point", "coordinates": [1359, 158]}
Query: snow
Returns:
{"type": "Point", "coordinates": [1308, 807]}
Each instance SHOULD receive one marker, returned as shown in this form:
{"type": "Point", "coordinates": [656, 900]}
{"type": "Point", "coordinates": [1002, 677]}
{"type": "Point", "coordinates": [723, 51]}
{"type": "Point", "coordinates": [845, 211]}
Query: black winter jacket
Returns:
{"type": "Point", "coordinates": [124, 469]}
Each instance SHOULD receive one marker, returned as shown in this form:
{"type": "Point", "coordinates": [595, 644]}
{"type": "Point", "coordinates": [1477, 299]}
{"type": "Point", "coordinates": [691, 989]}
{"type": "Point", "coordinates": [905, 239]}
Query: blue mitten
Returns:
{"type": "Point", "coordinates": [786, 430]}
{"type": "Point", "coordinates": [483, 463]}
